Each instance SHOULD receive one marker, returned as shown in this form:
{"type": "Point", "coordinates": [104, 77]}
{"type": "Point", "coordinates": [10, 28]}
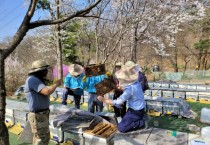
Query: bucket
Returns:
{"type": "Point", "coordinates": [205, 115]}
{"type": "Point", "coordinates": [205, 131]}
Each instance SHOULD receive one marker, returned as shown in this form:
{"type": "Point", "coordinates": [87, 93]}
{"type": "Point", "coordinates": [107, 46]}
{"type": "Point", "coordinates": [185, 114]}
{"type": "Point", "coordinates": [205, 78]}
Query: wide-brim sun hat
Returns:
{"type": "Point", "coordinates": [39, 65]}
{"type": "Point", "coordinates": [126, 75]}
{"type": "Point", "coordinates": [130, 64]}
{"type": "Point", "coordinates": [76, 69]}
{"type": "Point", "coordinates": [119, 64]}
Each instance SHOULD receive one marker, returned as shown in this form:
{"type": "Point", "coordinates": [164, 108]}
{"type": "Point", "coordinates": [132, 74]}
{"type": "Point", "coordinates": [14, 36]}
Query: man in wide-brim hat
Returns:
{"type": "Point", "coordinates": [134, 118]}
{"type": "Point", "coordinates": [37, 95]}
{"type": "Point", "coordinates": [73, 85]}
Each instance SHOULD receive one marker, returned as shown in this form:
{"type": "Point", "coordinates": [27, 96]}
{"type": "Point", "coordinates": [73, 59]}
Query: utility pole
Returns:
{"type": "Point", "coordinates": [59, 47]}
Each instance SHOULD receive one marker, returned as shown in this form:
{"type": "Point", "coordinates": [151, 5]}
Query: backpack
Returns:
{"type": "Point", "coordinates": [143, 80]}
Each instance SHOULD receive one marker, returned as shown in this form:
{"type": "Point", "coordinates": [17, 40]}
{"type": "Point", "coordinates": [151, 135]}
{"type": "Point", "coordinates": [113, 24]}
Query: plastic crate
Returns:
{"type": "Point", "coordinates": [157, 84]}
{"type": "Point", "coordinates": [168, 94]}
{"type": "Point", "coordinates": [171, 108]}
{"type": "Point", "coordinates": [165, 85]}
{"type": "Point", "coordinates": [157, 93]}
{"type": "Point", "coordinates": [148, 93]}
{"type": "Point", "coordinates": [174, 86]}
{"type": "Point", "coordinates": [191, 87]}
{"type": "Point", "coordinates": [180, 94]}
{"type": "Point", "coordinates": [201, 88]}
{"type": "Point", "coordinates": [183, 86]}
{"type": "Point", "coordinates": [151, 84]}
{"type": "Point", "coordinates": [208, 88]}
{"type": "Point", "coordinates": [192, 96]}
{"type": "Point", "coordinates": [154, 106]}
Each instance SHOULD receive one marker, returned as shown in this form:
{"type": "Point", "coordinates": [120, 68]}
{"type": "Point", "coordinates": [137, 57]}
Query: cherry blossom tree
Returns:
{"type": "Point", "coordinates": [28, 24]}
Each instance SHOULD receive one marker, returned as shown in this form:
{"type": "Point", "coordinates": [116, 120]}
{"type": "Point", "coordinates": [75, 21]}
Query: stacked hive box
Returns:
{"type": "Point", "coordinates": [192, 96]}
{"type": "Point", "coordinates": [171, 108]}
{"type": "Point", "coordinates": [204, 97]}
{"type": "Point", "coordinates": [154, 107]}
{"type": "Point", "coordinates": [101, 134]}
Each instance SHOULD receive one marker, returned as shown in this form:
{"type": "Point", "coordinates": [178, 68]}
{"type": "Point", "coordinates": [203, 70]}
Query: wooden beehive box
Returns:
{"type": "Point", "coordinates": [105, 86]}
{"type": "Point", "coordinates": [102, 130]}
{"type": "Point", "coordinates": [95, 70]}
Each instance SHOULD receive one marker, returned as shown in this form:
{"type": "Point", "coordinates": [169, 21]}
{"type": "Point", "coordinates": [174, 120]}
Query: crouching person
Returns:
{"type": "Point", "coordinates": [134, 118]}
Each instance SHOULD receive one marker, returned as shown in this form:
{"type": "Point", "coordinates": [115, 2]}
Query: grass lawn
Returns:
{"type": "Point", "coordinates": [165, 122]}
{"type": "Point", "coordinates": [13, 140]}
{"type": "Point", "coordinates": [180, 124]}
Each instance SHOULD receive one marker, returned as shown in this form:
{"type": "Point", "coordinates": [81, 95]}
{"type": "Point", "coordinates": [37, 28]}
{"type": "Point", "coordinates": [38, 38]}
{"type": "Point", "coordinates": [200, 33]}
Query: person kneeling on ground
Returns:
{"type": "Point", "coordinates": [134, 118]}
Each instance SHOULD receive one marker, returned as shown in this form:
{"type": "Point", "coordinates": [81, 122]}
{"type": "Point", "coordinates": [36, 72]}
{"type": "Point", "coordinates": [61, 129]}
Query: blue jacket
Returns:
{"type": "Point", "coordinates": [90, 83]}
{"type": "Point", "coordinates": [133, 95]}
{"type": "Point", "coordinates": [72, 82]}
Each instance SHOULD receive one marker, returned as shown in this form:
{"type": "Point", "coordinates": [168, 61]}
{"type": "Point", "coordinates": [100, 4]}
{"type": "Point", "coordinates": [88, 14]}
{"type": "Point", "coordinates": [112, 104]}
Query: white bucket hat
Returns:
{"type": "Point", "coordinates": [126, 75]}
{"type": "Point", "coordinates": [38, 66]}
{"type": "Point", "coordinates": [134, 65]}
{"type": "Point", "coordinates": [75, 69]}
{"type": "Point", "coordinates": [130, 64]}
{"type": "Point", "coordinates": [119, 64]}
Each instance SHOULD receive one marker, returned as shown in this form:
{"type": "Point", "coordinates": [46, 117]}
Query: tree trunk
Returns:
{"type": "Point", "coordinates": [176, 60]}
{"type": "Point", "coordinates": [199, 60]}
{"type": "Point", "coordinates": [204, 60]}
{"type": "Point", "coordinates": [59, 46]}
{"type": "Point", "coordinates": [173, 60]}
{"type": "Point", "coordinates": [134, 48]}
{"type": "Point", "coordinates": [4, 135]}
{"type": "Point", "coordinates": [18, 37]}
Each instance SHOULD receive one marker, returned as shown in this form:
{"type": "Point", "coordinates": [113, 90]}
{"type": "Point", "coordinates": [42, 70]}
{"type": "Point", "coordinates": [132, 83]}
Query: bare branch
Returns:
{"type": "Point", "coordinates": [80, 13]}
{"type": "Point", "coordinates": [23, 29]}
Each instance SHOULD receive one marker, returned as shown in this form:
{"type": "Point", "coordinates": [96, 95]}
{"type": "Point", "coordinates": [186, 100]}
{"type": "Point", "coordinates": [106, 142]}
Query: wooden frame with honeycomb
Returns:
{"type": "Point", "coordinates": [95, 70]}
{"type": "Point", "coordinates": [105, 86]}
{"type": "Point", "coordinates": [102, 130]}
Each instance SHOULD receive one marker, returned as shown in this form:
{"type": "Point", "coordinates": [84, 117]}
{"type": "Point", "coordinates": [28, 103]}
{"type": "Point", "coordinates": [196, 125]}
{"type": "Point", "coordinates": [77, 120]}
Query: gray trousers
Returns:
{"type": "Point", "coordinates": [94, 104]}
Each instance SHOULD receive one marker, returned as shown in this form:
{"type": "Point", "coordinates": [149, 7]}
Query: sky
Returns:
{"type": "Point", "coordinates": [11, 15]}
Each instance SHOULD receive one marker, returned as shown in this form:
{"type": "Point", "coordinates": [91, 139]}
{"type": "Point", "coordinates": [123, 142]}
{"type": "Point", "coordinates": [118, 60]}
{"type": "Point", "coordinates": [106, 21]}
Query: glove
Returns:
{"type": "Point", "coordinates": [108, 74]}
{"type": "Point", "coordinates": [84, 79]}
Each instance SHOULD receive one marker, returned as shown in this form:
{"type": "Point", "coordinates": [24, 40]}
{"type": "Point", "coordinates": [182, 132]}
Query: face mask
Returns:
{"type": "Point", "coordinates": [49, 74]}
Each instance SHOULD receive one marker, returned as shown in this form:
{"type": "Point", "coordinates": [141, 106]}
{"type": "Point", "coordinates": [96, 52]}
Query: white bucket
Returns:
{"type": "Point", "coordinates": [205, 132]}
{"type": "Point", "coordinates": [205, 115]}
